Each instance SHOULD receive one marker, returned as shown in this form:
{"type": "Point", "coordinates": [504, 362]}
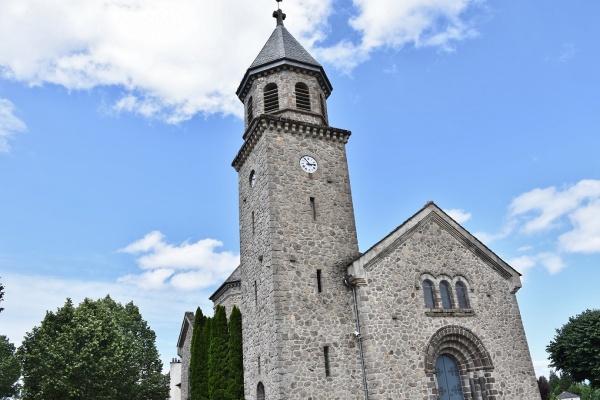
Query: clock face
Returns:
{"type": "Point", "coordinates": [252, 178]}
{"type": "Point", "coordinates": [308, 164]}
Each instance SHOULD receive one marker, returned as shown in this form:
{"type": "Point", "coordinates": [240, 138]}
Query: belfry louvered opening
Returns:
{"type": "Point", "coordinates": [271, 98]}
{"type": "Point", "coordinates": [250, 109]}
{"type": "Point", "coordinates": [302, 96]}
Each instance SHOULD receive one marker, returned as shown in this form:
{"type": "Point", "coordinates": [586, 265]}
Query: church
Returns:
{"type": "Point", "coordinates": [429, 312]}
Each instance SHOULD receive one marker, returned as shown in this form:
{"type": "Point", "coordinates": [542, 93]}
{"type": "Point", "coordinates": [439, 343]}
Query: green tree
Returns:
{"type": "Point", "coordinates": [1, 295]}
{"type": "Point", "coordinates": [98, 350]}
{"type": "Point", "coordinates": [235, 361]}
{"type": "Point", "coordinates": [217, 360]}
{"type": "Point", "coordinates": [203, 357]}
{"type": "Point", "coordinates": [576, 348]}
{"type": "Point", "coordinates": [544, 387]}
{"type": "Point", "coordinates": [196, 364]}
{"type": "Point", "coordinates": [10, 369]}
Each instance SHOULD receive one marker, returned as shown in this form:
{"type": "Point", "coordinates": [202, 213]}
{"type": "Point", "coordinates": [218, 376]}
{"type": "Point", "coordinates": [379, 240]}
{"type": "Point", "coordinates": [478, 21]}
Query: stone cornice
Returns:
{"type": "Point", "coordinates": [267, 122]}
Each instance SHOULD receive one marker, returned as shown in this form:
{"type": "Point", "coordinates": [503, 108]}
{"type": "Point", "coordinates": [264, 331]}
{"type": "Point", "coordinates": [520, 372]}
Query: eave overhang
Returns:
{"type": "Point", "coordinates": [284, 63]}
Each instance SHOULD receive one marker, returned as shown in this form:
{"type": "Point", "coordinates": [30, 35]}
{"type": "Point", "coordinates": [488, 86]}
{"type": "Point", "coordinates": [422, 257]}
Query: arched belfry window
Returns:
{"type": "Point", "coordinates": [461, 295]}
{"type": "Point", "coordinates": [445, 295]}
{"type": "Point", "coordinates": [428, 293]}
{"type": "Point", "coordinates": [271, 98]}
{"type": "Point", "coordinates": [250, 110]}
{"type": "Point", "coordinates": [302, 96]}
{"type": "Point", "coordinates": [260, 391]}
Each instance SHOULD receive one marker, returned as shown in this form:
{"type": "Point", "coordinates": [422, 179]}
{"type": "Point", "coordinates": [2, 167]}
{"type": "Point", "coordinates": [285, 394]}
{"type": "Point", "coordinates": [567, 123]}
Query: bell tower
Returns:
{"type": "Point", "coordinates": [297, 230]}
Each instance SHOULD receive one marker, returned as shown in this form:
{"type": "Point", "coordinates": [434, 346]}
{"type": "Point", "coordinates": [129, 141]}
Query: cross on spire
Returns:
{"type": "Point", "coordinates": [279, 14]}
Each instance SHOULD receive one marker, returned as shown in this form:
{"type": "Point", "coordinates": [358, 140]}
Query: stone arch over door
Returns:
{"type": "Point", "coordinates": [472, 359]}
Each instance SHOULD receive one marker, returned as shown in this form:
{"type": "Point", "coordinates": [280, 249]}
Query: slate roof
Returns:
{"type": "Point", "coordinates": [281, 49]}
{"type": "Point", "coordinates": [567, 395]}
{"type": "Point", "coordinates": [234, 278]}
{"type": "Point", "coordinates": [282, 45]}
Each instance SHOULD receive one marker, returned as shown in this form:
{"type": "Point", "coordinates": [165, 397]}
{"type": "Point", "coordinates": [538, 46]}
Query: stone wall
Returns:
{"type": "Point", "coordinates": [286, 80]}
{"type": "Point", "coordinates": [287, 322]}
{"type": "Point", "coordinates": [183, 351]}
{"type": "Point", "coordinates": [402, 337]}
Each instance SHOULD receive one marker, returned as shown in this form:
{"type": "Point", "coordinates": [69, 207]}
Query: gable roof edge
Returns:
{"type": "Point", "coordinates": [425, 214]}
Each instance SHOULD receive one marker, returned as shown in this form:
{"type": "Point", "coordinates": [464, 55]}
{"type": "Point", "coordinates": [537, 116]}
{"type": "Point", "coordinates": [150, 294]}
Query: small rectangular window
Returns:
{"type": "Point", "coordinates": [259, 365]}
{"type": "Point", "coordinates": [255, 293]}
{"type": "Point", "coordinates": [326, 356]}
{"type": "Point", "coordinates": [319, 286]}
{"type": "Point", "coordinates": [253, 222]}
{"type": "Point", "coordinates": [313, 208]}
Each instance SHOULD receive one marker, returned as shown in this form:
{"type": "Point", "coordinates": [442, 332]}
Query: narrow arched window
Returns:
{"type": "Point", "coordinates": [445, 295]}
{"type": "Point", "coordinates": [271, 98]}
{"type": "Point", "coordinates": [428, 293]}
{"type": "Point", "coordinates": [260, 391]}
{"type": "Point", "coordinates": [250, 110]}
{"type": "Point", "coordinates": [302, 96]}
{"type": "Point", "coordinates": [461, 295]}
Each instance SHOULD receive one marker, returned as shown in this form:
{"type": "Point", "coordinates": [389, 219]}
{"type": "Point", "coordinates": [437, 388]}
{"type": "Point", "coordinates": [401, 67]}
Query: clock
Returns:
{"type": "Point", "coordinates": [308, 164]}
{"type": "Point", "coordinates": [252, 178]}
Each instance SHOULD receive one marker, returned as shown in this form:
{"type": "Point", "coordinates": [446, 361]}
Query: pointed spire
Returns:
{"type": "Point", "coordinates": [283, 49]}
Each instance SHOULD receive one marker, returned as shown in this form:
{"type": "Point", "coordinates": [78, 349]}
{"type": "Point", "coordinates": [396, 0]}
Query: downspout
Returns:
{"type": "Point", "coordinates": [358, 336]}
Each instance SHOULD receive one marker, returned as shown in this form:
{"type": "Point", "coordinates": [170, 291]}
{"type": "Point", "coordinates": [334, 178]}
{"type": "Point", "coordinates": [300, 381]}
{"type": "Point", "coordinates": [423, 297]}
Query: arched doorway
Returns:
{"type": "Point", "coordinates": [448, 378]}
{"type": "Point", "coordinates": [456, 350]}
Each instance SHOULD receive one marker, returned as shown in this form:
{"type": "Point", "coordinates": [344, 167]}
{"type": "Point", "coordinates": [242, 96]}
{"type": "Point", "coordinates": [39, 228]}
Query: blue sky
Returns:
{"type": "Point", "coordinates": [118, 124]}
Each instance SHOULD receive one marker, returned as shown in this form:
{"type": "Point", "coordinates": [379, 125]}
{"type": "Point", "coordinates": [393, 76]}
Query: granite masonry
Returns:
{"type": "Point", "coordinates": [429, 312]}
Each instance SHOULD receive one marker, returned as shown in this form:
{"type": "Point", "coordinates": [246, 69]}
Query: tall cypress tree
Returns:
{"type": "Point", "coordinates": [195, 355]}
{"type": "Point", "coordinates": [217, 361]}
{"type": "Point", "coordinates": [203, 357]}
{"type": "Point", "coordinates": [235, 361]}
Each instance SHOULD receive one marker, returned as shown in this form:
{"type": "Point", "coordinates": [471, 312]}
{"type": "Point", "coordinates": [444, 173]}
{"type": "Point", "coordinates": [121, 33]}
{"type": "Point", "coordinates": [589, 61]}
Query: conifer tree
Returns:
{"type": "Point", "coordinates": [217, 361]}
{"type": "Point", "coordinates": [195, 355]}
{"type": "Point", "coordinates": [235, 361]}
{"type": "Point", "coordinates": [203, 358]}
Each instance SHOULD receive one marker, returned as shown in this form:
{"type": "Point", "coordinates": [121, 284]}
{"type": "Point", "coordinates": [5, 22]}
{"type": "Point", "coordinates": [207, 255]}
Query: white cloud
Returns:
{"type": "Point", "coordinates": [563, 220]}
{"type": "Point", "coordinates": [575, 210]}
{"type": "Point", "coordinates": [185, 266]}
{"type": "Point", "coordinates": [459, 216]}
{"type": "Point", "coordinates": [394, 24]}
{"type": "Point", "coordinates": [541, 368]}
{"type": "Point", "coordinates": [9, 124]}
{"type": "Point", "coordinates": [174, 59]}
{"type": "Point", "coordinates": [552, 262]}
{"type": "Point", "coordinates": [542, 209]}
{"type": "Point", "coordinates": [506, 230]}
{"type": "Point", "coordinates": [585, 235]}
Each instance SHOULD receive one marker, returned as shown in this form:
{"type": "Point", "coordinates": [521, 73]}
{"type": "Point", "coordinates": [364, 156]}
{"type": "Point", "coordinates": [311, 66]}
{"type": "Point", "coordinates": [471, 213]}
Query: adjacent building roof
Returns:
{"type": "Point", "coordinates": [567, 395]}
{"type": "Point", "coordinates": [234, 278]}
{"type": "Point", "coordinates": [188, 321]}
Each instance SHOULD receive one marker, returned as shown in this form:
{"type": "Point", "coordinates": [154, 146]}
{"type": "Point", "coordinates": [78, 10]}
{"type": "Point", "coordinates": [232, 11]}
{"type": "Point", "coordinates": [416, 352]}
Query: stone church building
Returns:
{"type": "Point", "coordinates": [429, 312]}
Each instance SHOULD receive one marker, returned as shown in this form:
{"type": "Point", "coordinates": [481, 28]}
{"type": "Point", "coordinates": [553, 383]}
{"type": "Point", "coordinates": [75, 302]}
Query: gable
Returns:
{"type": "Point", "coordinates": [431, 213]}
